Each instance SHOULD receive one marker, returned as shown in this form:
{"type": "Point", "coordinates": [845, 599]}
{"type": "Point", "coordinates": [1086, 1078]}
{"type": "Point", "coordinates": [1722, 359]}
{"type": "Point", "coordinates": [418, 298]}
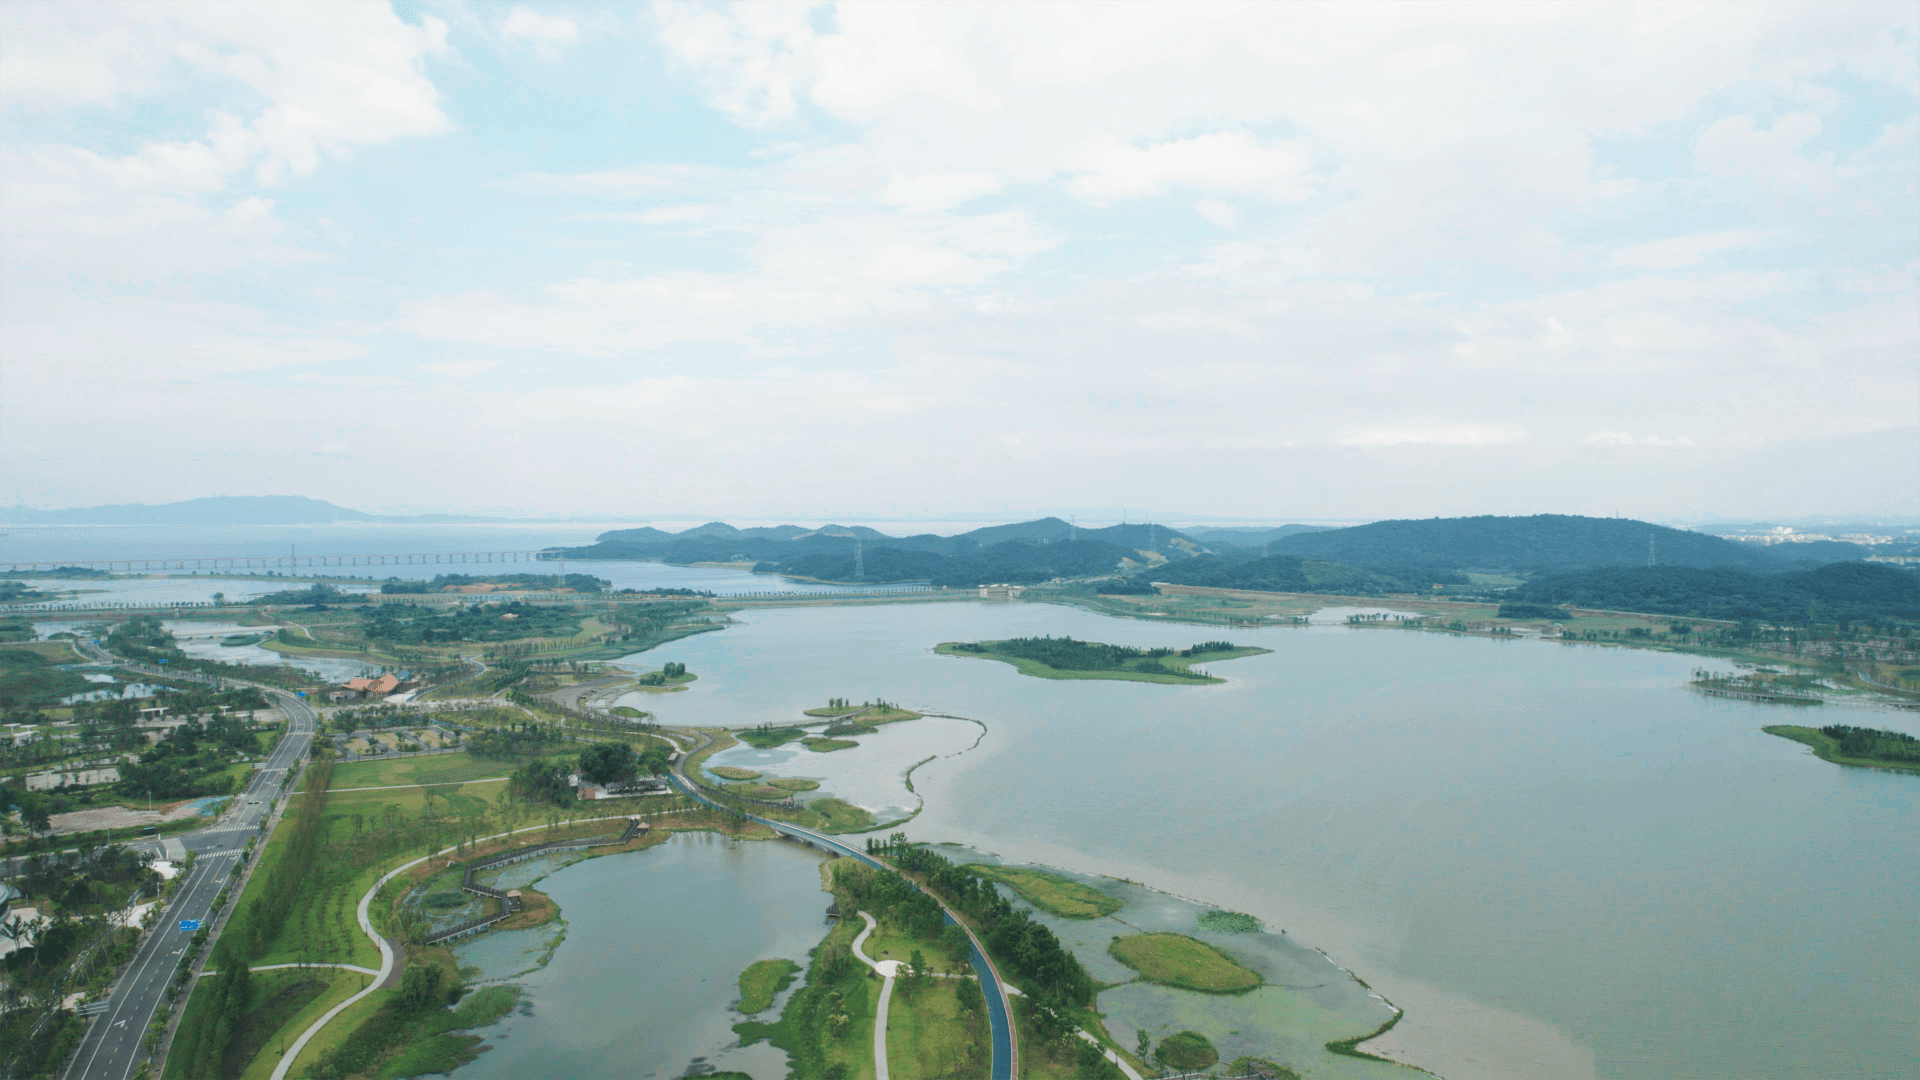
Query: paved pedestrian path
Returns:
{"type": "Point", "coordinates": [887, 969]}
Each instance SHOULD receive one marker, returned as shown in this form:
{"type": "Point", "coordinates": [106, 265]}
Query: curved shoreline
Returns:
{"type": "Point", "coordinates": [1398, 1012]}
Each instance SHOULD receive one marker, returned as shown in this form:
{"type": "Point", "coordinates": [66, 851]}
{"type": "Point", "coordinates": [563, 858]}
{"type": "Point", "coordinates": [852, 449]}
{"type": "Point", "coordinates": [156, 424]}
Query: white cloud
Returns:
{"type": "Point", "coordinates": [837, 270]}
{"type": "Point", "coordinates": [295, 85]}
{"type": "Point", "coordinates": [349, 382]}
{"type": "Point", "coordinates": [546, 35]}
{"type": "Point", "coordinates": [1230, 161]}
{"type": "Point", "coordinates": [1735, 146]}
{"type": "Point", "coordinates": [327, 78]}
{"type": "Point", "coordinates": [1435, 433]}
{"type": "Point", "coordinates": [1217, 210]}
{"type": "Point", "coordinates": [965, 230]}
{"type": "Point", "coordinates": [461, 369]}
{"type": "Point", "coordinates": [939, 191]}
{"type": "Point", "coordinates": [1622, 438]}
{"type": "Point", "coordinates": [1678, 251]}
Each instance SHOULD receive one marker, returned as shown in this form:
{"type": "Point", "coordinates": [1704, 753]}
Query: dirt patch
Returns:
{"type": "Point", "coordinates": [119, 817]}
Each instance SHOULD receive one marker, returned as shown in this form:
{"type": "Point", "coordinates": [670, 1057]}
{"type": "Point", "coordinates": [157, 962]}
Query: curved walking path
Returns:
{"type": "Point", "coordinates": [282, 967]}
{"type": "Point", "coordinates": [1006, 1047]}
{"type": "Point", "coordinates": [887, 969]}
{"type": "Point", "coordinates": [388, 968]}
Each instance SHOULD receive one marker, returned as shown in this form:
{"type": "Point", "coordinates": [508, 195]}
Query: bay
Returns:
{"type": "Point", "coordinates": [1557, 858]}
{"type": "Point", "coordinates": [645, 982]}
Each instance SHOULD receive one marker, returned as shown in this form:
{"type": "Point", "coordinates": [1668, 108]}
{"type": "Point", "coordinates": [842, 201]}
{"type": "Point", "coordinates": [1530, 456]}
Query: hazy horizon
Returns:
{"type": "Point", "coordinates": [1274, 262]}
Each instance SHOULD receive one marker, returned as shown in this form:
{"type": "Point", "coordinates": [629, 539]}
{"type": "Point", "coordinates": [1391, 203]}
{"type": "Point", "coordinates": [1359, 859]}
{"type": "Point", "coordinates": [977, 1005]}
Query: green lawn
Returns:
{"type": "Point", "coordinates": [279, 1003]}
{"type": "Point", "coordinates": [929, 1037]}
{"type": "Point", "coordinates": [762, 982]}
{"type": "Point", "coordinates": [341, 986]}
{"type": "Point", "coordinates": [1061, 896]}
{"type": "Point", "coordinates": [1178, 960]}
{"type": "Point", "coordinates": [431, 769]}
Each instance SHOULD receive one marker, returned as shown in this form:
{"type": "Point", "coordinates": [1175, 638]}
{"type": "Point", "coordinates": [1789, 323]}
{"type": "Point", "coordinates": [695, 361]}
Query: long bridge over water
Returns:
{"type": "Point", "coordinates": [290, 561]}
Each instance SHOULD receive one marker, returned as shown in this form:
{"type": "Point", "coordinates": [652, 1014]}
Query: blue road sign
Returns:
{"type": "Point", "coordinates": [189, 924]}
{"type": "Point", "coordinates": [299, 693]}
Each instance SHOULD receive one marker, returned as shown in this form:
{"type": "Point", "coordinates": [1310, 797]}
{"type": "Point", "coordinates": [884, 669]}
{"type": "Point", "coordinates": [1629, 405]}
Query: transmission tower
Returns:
{"type": "Point", "coordinates": [1649, 549]}
{"type": "Point", "coordinates": [859, 559]}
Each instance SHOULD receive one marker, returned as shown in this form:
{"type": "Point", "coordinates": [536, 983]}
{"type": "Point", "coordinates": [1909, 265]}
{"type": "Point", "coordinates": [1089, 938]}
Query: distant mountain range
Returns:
{"type": "Point", "coordinates": [1378, 556]}
{"type": "Point", "coordinates": [232, 510]}
{"type": "Point", "coordinates": [1551, 543]}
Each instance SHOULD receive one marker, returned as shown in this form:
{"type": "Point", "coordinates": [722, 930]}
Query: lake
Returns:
{"type": "Point", "coordinates": [646, 979]}
{"type": "Point", "coordinates": [1557, 858]}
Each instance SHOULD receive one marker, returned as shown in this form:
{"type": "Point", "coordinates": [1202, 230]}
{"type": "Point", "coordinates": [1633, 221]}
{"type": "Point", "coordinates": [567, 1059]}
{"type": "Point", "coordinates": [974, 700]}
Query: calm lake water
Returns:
{"type": "Point", "coordinates": [646, 980]}
{"type": "Point", "coordinates": [1559, 859]}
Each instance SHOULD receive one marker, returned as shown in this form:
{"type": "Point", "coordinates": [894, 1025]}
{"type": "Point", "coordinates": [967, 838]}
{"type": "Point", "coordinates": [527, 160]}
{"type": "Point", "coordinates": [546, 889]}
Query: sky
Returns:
{"type": "Point", "coordinates": [1264, 261]}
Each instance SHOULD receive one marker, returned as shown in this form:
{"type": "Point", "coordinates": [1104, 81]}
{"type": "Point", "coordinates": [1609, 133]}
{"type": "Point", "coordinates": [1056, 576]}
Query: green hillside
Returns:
{"type": "Point", "coordinates": [1543, 543]}
{"type": "Point", "coordinates": [1851, 590]}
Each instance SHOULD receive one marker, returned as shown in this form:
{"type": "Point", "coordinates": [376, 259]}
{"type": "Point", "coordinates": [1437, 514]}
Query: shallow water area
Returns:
{"type": "Point", "coordinates": [202, 641]}
{"type": "Point", "coordinates": [1457, 820]}
{"type": "Point", "coordinates": [645, 980]}
{"type": "Point", "coordinates": [1307, 1001]}
{"type": "Point", "coordinates": [161, 589]}
{"type": "Point", "coordinates": [872, 775]}
{"type": "Point", "coordinates": [126, 691]}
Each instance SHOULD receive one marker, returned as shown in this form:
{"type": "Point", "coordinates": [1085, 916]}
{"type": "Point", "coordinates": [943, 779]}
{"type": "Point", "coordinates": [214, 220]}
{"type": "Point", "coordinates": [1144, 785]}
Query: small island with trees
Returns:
{"type": "Point", "coordinates": [1867, 748]}
{"type": "Point", "coordinates": [1066, 658]}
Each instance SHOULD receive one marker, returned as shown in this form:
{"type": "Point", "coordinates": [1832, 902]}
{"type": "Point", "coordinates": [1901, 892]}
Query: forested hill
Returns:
{"type": "Point", "coordinates": [1851, 590]}
{"type": "Point", "coordinates": [1288, 573]}
{"type": "Point", "coordinates": [1023, 553]}
{"type": "Point", "coordinates": [1543, 543]}
{"type": "Point", "coordinates": [1249, 535]}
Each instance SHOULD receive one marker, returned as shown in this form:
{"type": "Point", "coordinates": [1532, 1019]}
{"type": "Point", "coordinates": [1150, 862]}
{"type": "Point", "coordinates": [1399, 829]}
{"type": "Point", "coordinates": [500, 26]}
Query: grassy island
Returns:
{"type": "Point", "coordinates": [1051, 893]}
{"type": "Point", "coordinates": [1187, 1050]}
{"type": "Point", "coordinates": [666, 680]}
{"type": "Point", "coordinates": [1065, 658]}
{"type": "Point", "coordinates": [827, 746]}
{"type": "Point", "coordinates": [762, 982]}
{"type": "Point", "coordinates": [766, 738]}
{"type": "Point", "coordinates": [1867, 748]}
{"type": "Point", "coordinates": [1178, 960]}
{"type": "Point", "coordinates": [728, 772]}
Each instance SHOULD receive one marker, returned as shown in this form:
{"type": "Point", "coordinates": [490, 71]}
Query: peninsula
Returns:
{"type": "Point", "coordinates": [1866, 748]}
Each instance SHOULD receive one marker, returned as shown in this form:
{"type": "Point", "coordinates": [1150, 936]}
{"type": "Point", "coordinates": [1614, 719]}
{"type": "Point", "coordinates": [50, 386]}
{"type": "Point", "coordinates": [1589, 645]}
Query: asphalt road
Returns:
{"type": "Point", "coordinates": [111, 1048]}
